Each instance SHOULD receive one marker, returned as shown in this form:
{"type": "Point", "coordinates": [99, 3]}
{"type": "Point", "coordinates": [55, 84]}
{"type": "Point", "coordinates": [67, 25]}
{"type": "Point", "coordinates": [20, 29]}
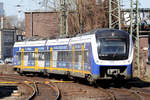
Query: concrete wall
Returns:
{"type": "Point", "coordinates": [43, 24]}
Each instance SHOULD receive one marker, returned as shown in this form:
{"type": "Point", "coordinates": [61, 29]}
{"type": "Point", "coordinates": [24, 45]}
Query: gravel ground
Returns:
{"type": "Point", "coordinates": [7, 69]}
{"type": "Point", "coordinates": [13, 92]}
{"type": "Point", "coordinates": [75, 91]}
{"type": "Point", "coordinates": [69, 91]}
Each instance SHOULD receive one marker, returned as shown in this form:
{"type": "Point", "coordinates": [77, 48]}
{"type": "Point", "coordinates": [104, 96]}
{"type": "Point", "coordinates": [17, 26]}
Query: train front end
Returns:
{"type": "Point", "coordinates": [113, 55]}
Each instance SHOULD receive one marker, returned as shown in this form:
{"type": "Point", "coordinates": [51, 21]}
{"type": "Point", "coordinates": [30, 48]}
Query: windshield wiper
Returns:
{"type": "Point", "coordinates": [116, 52]}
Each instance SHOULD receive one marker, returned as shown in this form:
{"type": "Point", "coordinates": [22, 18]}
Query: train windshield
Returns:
{"type": "Point", "coordinates": [112, 49]}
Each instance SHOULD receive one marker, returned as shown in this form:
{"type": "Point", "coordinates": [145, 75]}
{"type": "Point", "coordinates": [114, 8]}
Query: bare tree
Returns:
{"type": "Point", "coordinates": [82, 15]}
{"type": "Point", "coordinates": [88, 15]}
{"type": "Point", "coordinates": [10, 21]}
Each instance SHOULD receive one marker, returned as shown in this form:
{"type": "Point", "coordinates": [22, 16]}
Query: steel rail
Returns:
{"type": "Point", "coordinates": [108, 93]}
{"type": "Point", "coordinates": [27, 83]}
{"type": "Point", "coordinates": [56, 89]}
{"type": "Point", "coordinates": [131, 91]}
{"type": "Point", "coordinates": [33, 94]}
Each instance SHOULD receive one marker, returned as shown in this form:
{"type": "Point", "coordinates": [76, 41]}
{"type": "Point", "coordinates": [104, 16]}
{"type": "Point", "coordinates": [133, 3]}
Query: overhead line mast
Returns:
{"type": "Point", "coordinates": [137, 39]}
{"type": "Point", "coordinates": [63, 18]}
{"type": "Point", "coordinates": [114, 14]}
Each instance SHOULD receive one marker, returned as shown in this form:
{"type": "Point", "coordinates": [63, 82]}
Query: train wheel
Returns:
{"type": "Point", "coordinates": [45, 73]}
{"type": "Point", "coordinates": [20, 71]}
{"type": "Point", "coordinates": [90, 79]}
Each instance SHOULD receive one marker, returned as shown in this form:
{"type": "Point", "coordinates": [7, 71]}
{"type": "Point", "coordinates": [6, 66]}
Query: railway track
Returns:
{"type": "Point", "coordinates": [45, 89]}
{"type": "Point", "coordinates": [110, 95]}
{"type": "Point", "coordinates": [22, 88]}
{"type": "Point", "coordinates": [144, 92]}
{"type": "Point", "coordinates": [128, 94]}
{"type": "Point", "coordinates": [41, 90]}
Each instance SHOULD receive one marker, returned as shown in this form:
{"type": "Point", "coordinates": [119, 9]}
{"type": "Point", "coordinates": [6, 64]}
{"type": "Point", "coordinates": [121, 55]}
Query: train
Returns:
{"type": "Point", "coordinates": [94, 55]}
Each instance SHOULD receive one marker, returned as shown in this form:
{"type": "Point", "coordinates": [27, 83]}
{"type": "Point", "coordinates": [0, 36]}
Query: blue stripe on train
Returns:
{"type": "Point", "coordinates": [96, 68]}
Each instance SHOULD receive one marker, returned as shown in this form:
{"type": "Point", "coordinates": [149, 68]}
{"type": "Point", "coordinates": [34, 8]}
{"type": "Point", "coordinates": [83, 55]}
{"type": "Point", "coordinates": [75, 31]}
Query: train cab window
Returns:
{"type": "Point", "coordinates": [112, 48]}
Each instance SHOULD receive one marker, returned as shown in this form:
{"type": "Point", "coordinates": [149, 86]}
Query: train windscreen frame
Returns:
{"type": "Point", "coordinates": [112, 46]}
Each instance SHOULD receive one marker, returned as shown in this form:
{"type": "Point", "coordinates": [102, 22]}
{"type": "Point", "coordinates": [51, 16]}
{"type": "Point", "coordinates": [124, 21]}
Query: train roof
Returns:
{"type": "Point", "coordinates": [107, 32]}
{"type": "Point", "coordinates": [63, 41]}
{"type": "Point", "coordinates": [30, 43]}
{"type": "Point", "coordinates": [82, 38]}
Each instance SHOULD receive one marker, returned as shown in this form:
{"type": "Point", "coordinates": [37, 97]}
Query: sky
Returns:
{"type": "Point", "coordinates": [27, 5]}
{"type": "Point", "coordinates": [11, 9]}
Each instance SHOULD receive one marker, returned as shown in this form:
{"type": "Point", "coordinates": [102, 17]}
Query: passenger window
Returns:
{"type": "Point", "coordinates": [31, 56]}
{"type": "Point", "coordinates": [47, 56]}
{"type": "Point", "coordinates": [19, 56]}
{"type": "Point", "coordinates": [78, 56]}
{"type": "Point", "coordinates": [65, 56]}
{"type": "Point", "coordinates": [85, 56]}
{"type": "Point", "coordinates": [26, 58]}
{"type": "Point", "coordinates": [41, 56]}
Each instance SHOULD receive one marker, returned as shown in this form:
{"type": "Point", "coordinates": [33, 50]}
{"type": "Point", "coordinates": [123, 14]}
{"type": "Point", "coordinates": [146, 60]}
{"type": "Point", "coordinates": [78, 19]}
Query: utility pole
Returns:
{"type": "Point", "coordinates": [110, 13]}
{"type": "Point", "coordinates": [63, 18]}
{"type": "Point", "coordinates": [137, 39]}
{"type": "Point", "coordinates": [131, 17]}
{"type": "Point", "coordinates": [114, 14]}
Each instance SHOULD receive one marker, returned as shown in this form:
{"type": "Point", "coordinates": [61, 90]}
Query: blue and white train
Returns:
{"type": "Point", "coordinates": [98, 54]}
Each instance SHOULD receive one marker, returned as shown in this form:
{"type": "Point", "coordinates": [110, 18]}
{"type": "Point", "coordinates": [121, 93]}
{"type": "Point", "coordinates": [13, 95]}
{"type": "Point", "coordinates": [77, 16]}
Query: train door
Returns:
{"type": "Point", "coordinates": [26, 58]}
{"type": "Point", "coordinates": [41, 59]}
{"type": "Point", "coordinates": [36, 59]}
{"type": "Point", "coordinates": [31, 59]}
{"type": "Point", "coordinates": [149, 49]}
{"type": "Point", "coordinates": [73, 59]}
{"type": "Point", "coordinates": [48, 61]}
{"type": "Point", "coordinates": [86, 62]}
{"type": "Point", "coordinates": [18, 60]}
{"type": "Point", "coordinates": [83, 57]}
{"type": "Point", "coordinates": [51, 58]}
{"type": "Point", "coordinates": [78, 55]}
{"type": "Point", "coordinates": [78, 60]}
{"type": "Point", "coordinates": [54, 59]}
{"type": "Point", "coordinates": [22, 59]}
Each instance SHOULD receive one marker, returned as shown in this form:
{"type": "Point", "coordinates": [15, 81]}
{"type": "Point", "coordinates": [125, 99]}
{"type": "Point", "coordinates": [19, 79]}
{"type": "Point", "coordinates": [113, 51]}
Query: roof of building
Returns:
{"type": "Point", "coordinates": [42, 11]}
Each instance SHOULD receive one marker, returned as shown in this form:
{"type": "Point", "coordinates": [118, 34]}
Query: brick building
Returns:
{"type": "Point", "coordinates": [43, 24]}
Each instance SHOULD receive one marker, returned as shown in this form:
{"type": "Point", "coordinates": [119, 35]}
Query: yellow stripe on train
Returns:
{"type": "Point", "coordinates": [53, 68]}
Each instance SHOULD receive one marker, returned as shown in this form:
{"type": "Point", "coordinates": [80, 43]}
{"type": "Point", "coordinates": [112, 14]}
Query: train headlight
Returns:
{"type": "Point", "coordinates": [97, 61]}
{"type": "Point", "coordinates": [128, 61]}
